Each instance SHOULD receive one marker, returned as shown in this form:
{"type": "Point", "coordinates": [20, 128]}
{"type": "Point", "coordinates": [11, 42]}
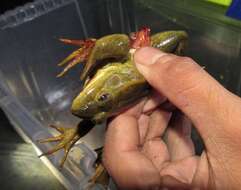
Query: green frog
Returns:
{"type": "Point", "coordinates": [111, 81]}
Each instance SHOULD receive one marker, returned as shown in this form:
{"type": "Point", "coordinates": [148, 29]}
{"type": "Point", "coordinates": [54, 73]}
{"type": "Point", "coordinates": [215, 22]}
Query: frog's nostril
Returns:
{"type": "Point", "coordinates": [84, 108]}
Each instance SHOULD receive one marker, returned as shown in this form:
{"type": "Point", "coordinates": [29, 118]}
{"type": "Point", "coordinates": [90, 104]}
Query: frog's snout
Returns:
{"type": "Point", "coordinates": [82, 108]}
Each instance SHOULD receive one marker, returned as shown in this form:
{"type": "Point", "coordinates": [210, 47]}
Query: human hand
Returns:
{"type": "Point", "coordinates": [136, 154]}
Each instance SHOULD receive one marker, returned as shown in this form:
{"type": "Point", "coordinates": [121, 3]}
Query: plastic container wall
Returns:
{"type": "Point", "coordinates": [33, 97]}
{"type": "Point", "coordinates": [214, 39]}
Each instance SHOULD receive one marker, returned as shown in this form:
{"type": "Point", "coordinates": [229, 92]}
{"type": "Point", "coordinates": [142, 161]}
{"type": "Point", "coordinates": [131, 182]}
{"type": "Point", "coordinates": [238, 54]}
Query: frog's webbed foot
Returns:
{"type": "Point", "coordinates": [67, 138]}
{"type": "Point", "coordinates": [77, 56]}
{"type": "Point", "coordinates": [101, 175]}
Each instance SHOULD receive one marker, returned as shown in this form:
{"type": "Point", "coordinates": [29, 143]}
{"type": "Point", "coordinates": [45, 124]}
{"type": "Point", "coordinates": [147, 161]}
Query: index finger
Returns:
{"type": "Point", "coordinates": [123, 133]}
{"type": "Point", "coordinates": [122, 157]}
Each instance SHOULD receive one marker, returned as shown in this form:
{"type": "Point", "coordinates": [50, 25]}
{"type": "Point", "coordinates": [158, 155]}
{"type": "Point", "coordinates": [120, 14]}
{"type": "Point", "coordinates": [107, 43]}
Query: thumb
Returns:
{"type": "Point", "coordinates": [212, 109]}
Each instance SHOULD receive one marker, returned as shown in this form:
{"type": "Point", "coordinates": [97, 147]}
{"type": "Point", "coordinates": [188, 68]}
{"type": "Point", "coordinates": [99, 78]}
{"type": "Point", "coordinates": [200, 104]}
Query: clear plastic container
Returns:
{"type": "Point", "coordinates": [33, 97]}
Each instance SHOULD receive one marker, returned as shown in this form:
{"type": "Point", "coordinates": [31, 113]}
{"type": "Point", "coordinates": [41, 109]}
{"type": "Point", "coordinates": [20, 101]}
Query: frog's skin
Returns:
{"type": "Point", "coordinates": [110, 86]}
{"type": "Point", "coordinates": [114, 87]}
{"type": "Point", "coordinates": [118, 85]}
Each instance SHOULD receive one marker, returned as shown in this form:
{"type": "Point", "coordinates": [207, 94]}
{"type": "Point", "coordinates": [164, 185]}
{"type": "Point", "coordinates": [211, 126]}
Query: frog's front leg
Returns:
{"type": "Point", "coordinates": [67, 138]}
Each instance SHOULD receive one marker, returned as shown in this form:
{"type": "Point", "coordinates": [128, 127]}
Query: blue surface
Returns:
{"type": "Point", "coordinates": [234, 10]}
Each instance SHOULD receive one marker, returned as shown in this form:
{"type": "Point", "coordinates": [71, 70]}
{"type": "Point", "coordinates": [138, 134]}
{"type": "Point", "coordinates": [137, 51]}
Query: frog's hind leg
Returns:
{"type": "Point", "coordinates": [77, 56]}
{"type": "Point", "coordinates": [101, 175]}
{"type": "Point", "coordinates": [67, 138]}
{"type": "Point", "coordinates": [181, 47]}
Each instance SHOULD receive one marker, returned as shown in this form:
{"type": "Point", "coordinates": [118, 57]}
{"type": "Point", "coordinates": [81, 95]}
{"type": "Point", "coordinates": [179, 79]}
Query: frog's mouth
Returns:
{"type": "Point", "coordinates": [82, 109]}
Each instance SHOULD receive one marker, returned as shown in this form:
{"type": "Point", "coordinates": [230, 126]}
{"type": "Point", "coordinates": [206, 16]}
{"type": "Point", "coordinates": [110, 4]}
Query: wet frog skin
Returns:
{"type": "Point", "coordinates": [111, 81]}
{"type": "Point", "coordinates": [118, 84]}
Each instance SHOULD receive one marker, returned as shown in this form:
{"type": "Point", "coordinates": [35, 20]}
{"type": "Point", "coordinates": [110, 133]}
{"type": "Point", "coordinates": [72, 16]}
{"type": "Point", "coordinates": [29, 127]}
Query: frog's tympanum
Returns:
{"type": "Point", "coordinates": [111, 81]}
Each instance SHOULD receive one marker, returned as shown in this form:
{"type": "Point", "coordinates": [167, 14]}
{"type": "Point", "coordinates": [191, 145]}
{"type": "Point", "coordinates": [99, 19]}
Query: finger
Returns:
{"type": "Point", "coordinates": [191, 89]}
{"type": "Point", "coordinates": [179, 174]}
{"type": "Point", "coordinates": [143, 120]}
{"type": "Point", "coordinates": [156, 151]}
{"type": "Point", "coordinates": [122, 158]}
{"type": "Point", "coordinates": [154, 148]}
{"type": "Point", "coordinates": [143, 125]}
{"type": "Point", "coordinates": [136, 110]}
{"type": "Point", "coordinates": [154, 100]}
{"type": "Point", "coordinates": [126, 139]}
{"type": "Point", "coordinates": [158, 122]}
{"type": "Point", "coordinates": [178, 137]}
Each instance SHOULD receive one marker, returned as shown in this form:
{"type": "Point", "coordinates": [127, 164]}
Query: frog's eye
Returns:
{"type": "Point", "coordinates": [103, 97]}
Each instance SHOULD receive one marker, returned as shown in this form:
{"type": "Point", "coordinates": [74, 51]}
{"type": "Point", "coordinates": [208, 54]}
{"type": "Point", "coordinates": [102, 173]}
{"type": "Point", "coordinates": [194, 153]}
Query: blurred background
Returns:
{"type": "Point", "coordinates": [31, 97]}
{"type": "Point", "coordinates": [20, 168]}
{"type": "Point", "coordinates": [9, 5]}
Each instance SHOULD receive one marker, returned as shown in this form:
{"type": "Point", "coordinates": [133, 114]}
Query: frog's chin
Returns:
{"type": "Point", "coordinates": [83, 109]}
{"type": "Point", "coordinates": [82, 116]}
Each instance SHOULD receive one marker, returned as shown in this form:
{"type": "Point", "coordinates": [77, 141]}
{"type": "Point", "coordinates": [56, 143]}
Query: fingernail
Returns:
{"type": "Point", "coordinates": [147, 56]}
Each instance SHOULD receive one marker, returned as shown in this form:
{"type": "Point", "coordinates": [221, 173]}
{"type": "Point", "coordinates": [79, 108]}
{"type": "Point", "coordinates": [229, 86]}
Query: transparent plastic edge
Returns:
{"type": "Point", "coordinates": [25, 125]}
{"type": "Point", "coordinates": [30, 11]}
{"type": "Point", "coordinates": [23, 131]}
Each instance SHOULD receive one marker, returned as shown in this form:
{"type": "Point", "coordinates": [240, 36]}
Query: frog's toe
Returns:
{"type": "Point", "coordinates": [67, 139]}
{"type": "Point", "coordinates": [55, 149]}
{"type": "Point", "coordinates": [51, 139]}
{"type": "Point", "coordinates": [66, 152]}
{"type": "Point", "coordinates": [77, 56]}
{"type": "Point", "coordinates": [72, 60]}
{"type": "Point", "coordinates": [100, 177]}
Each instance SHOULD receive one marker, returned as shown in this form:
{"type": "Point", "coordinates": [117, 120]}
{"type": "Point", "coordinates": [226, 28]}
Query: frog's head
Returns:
{"type": "Point", "coordinates": [103, 94]}
{"type": "Point", "coordinates": [95, 98]}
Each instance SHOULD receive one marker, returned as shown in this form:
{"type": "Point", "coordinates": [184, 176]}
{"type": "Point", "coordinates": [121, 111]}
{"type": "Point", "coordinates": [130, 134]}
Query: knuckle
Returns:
{"type": "Point", "coordinates": [181, 69]}
{"type": "Point", "coordinates": [177, 77]}
{"type": "Point", "coordinates": [181, 75]}
{"type": "Point", "coordinates": [164, 58]}
{"type": "Point", "coordinates": [181, 66]}
{"type": "Point", "coordinates": [186, 59]}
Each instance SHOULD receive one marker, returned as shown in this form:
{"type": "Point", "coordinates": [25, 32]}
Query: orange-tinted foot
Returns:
{"type": "Point", "coordinates": [77, 56]}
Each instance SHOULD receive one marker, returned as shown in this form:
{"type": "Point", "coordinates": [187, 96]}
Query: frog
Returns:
{"type": "Point", "coordinates": [111, 80]}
